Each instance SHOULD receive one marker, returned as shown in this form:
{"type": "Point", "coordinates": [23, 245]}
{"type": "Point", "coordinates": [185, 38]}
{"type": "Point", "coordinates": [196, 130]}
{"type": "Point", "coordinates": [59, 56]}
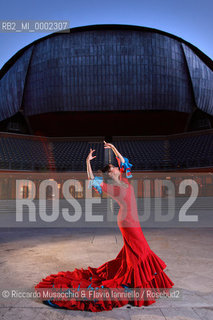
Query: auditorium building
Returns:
{"type": "Point", "coordinates": [148, 92]}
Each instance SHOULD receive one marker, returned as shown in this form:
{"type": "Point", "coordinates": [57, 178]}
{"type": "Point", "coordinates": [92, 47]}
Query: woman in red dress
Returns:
{"type": "Point", "coordinates": [135, 266]}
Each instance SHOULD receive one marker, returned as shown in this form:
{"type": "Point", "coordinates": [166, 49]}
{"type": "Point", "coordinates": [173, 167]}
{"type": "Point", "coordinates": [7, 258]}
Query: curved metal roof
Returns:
{"type": "Point", "coordinates": [107, 67]}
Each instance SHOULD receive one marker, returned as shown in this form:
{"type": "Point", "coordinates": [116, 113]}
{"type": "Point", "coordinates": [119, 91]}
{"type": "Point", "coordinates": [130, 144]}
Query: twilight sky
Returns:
{"type": "Point", "coordinates": [189, 19]}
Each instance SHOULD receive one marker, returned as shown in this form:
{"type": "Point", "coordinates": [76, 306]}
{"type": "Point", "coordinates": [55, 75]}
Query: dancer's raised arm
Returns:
{"type": "Point", "coordinates": [123, 162]}
{"type": "Point", "coordinates": [89, 168]}
{"type": "Point", "coordinates": [111, 146]}
{"type": "Point", "coordinates": [96, 182]}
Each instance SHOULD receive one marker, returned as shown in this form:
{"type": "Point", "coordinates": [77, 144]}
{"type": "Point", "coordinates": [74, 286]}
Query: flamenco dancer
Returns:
{"type": "Point", "coordinates": [135, 266]}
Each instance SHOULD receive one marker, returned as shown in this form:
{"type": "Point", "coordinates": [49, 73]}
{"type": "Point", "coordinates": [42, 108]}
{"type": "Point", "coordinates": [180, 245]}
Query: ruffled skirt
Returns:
{"type": "Point", "coordinates": [144, 273]}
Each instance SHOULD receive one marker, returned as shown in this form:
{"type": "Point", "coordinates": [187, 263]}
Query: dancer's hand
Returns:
{"type": "Point", "coordinates": [108, 145]}
{"type": "Point", "coordinates": [116, 152]}
{"type": "Point", "coordinates": [90, 156]}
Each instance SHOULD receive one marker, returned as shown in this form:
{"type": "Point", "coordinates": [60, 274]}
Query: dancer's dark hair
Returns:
{"type": "Point", "coordinates": [106, 168]}
{"type": "Point", "coordinates": [105, 173]}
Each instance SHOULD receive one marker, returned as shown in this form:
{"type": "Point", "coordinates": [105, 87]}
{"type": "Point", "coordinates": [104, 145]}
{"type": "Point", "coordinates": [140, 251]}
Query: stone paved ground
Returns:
{"type": "Point", "coordinates": [27, 255]}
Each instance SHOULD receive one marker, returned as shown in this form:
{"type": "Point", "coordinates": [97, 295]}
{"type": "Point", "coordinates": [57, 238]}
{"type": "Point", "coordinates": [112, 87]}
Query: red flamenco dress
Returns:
{"type": "Point", "coordinates": [135, 266]}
